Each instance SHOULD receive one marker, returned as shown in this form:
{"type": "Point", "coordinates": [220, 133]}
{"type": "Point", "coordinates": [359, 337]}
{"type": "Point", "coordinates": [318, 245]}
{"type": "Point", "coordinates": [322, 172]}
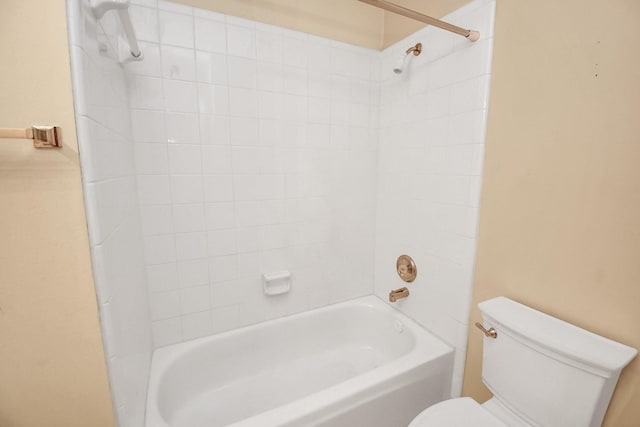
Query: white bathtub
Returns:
{"type": "Point", "coordinates": [358, 363]}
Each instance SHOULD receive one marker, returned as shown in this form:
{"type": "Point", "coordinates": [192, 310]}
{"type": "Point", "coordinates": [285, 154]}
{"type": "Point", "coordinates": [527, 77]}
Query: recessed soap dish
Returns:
{"type": "Point", "coordinates": [276, 283]}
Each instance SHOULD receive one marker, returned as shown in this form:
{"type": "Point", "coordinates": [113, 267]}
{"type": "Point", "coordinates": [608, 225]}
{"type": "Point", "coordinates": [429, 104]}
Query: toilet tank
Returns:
{"type": "Point", "coordinates": [547, 371]}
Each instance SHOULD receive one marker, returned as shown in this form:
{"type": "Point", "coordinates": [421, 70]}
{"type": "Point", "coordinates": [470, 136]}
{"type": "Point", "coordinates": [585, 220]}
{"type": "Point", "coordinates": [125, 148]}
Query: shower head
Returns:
{"type": "Point", "coordinates": [399, 66]}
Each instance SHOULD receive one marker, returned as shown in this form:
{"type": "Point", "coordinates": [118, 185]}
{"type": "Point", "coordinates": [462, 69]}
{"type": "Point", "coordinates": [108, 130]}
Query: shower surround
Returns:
{"type": "Point", "coordinates": [237, 148]}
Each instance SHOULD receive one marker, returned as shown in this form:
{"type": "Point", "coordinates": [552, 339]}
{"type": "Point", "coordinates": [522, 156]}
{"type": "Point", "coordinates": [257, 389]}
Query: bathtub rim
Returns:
{"type": "Point", "coordinates": [427, 347]}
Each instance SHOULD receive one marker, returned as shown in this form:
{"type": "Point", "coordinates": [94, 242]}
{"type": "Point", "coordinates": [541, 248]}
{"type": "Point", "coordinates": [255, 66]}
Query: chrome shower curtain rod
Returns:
{"type": "Point", "coordinates": [392, 7]}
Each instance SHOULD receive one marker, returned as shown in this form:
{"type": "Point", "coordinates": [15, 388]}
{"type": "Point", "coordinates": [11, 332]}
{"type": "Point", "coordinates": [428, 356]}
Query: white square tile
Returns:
{"type": "Point", "coordinates": [154, 189]}
{"type": "Point", "coordinates": [295, 80]}
{"type": "Point", "coordinates": [319, 110]}
{"type": "Point", "coordinates": [270, 76]}
{"type": "Point", "coordinates": [176, 29]}
{"type": "Point", "coordinates": [162, 277]}
{"type": "Point", "coordinates": [188, 218]}
{"type": "Point", "coordinates": [248, 213]}
{"type": "Point", "coordinates": [294, 134]}
{"type": "Point", "coordinates": [226, 293]}
{"type": "Point", "coordinates": [147, 126]}
{"type": "Point", "coordinates": [213, 99]}
{"type": "Point", "coordinates": [270, 132]}
{"type": "Point", "coordinates": [294, 107]}
{"type": "Point", "coordinates": [216, 159]}
{"type": "Point", "coordinates": [270, 186]}
{"type": "Point", "coordinates": [211, 68]}
{"type": "Point", "coordinates": [159, 249]}
{"type": "Point", "coordinates": [156, 219]}
{"type": "Point", "coordinates": [218, 188]}
{"type": "Point", "coordinates": [193, 273]}
{"type": "Point", "coordinates": [194, 299]}
{"type": "Point", "coordinates": [245, 187]}
{"type": "Point", "coordinates": [151, 158]}
{"type": "Point", "coordinates": [319, 57]}
{"type": "Point", "coordinates": [211, 36]}
{"type": "Point", "coordinates": [185, 159]}
{"type": "Point", "coordinates": [191, 246]}
{"type": "Point", "coordinates": [470, 95]}
{"type": "Point", "coordinates": [180, 96]}
{"type": "Point", "coordinates": [164, 305]}
{"type": "Point", "coordinates": [242, 72]}
{"type": "Point", "coordinates": [295, 52]}
{"type": "Point", "coordinates": [249, 265]}
{"type": "Point", "coordinates": [225, 318]}
{"type": "Point", "coordinates": [339, 112]}
{"type": "Point", "coordinates": [269, 105]}
{"type": "Point", "coordinates": [186, 189]}
{"type": "Point", "coordinates": [145, 22]}
{"type": "Point", "coordinates": [241, 41]}
{"type": "Point", "coordinates": [243, 102]}
{"type": "Point", "coordinates": [182, 128]}
{"type": "Point", "coordinates": [220, 216]}
{"type": "Point", "coordinates": [145, 93]}
{"type": "Point", "coordinates": [244, 131]}
{"type": "Point", "coordinates": [467, 128]}
{"type": "Point", "coordinates": [273, 211]}
{"type": "Point", "coordinates": [166, 332]}
{"type": "Point", "coordinates": [214, 130]}
{"type": "Point", "coordinates": [221, 242]}
{"type": "Point", "coordinates": [196, 325]}
{"type": "Point", "coordinates": [178, 63]}
{"type": "Point", "coordinates": [246, 159]}
{"type": "Point", "coordinates": [318, 135]}
{"type": "Point", "coordinates": [248, 239]}
{"type": "Point", "coordinates": [222, 268]}
{"type": "Point", "coordinates": [340, 88]}
{"type": "Point", "coordinates": [269, 47]}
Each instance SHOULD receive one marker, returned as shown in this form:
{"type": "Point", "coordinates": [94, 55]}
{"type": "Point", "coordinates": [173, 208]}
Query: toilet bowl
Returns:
{"type": "Point", "coordinates": [461, 412]}
{"type": "Point", "coordinates": [531, 363]}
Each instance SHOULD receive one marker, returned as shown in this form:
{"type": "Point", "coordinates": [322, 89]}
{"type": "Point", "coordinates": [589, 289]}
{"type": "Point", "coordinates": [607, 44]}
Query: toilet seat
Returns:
{"type": "Point", "coordinates": [460, 412]}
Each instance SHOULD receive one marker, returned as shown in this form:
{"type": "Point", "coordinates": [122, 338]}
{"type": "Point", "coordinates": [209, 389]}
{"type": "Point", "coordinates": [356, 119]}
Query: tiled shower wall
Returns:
{"type": "Point", "coordinates": [255, 152]}
{"type": "Point", "coordinates": [109, 180]}
{"type": "Point", "coordinates": [432, 134]}
{"type": "Point", "coordinates": [236, 149]}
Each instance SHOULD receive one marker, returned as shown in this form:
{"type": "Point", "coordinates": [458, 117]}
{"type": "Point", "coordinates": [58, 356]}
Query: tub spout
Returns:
{"type": "Point", "coordinates": [397, 294]}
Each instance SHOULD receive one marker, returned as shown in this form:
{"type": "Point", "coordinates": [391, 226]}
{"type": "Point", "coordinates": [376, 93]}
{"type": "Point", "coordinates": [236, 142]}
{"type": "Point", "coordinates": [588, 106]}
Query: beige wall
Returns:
{"type": "Point", "coordinates": [346, 20]}
{"type": "Point", "coordinates": [558, 227]}
{"type": "Point", "coordinates": [52, 368]}
{"type": "Point", "coordinates": [397, 27]}
{"type": "Point", "coordinates": [560, 209]}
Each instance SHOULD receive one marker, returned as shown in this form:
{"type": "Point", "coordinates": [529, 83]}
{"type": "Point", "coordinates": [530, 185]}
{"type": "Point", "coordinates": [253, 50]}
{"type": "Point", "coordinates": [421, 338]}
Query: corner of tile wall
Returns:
{"type": "Point", "coordinates": [432, 135]}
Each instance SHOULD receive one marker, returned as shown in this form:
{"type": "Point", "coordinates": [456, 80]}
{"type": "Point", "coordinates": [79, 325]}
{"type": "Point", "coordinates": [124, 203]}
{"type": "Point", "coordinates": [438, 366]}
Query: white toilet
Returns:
{"type": "Point", "coordinates": [543, 372]}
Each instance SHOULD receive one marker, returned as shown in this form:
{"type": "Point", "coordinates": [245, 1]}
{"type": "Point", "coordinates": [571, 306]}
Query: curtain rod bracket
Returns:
{"type": "Point", "coordinates": [42, 136]}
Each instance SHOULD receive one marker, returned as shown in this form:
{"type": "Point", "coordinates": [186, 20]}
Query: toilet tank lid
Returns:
{"type": "Point", "coordinates": [556, 335]}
